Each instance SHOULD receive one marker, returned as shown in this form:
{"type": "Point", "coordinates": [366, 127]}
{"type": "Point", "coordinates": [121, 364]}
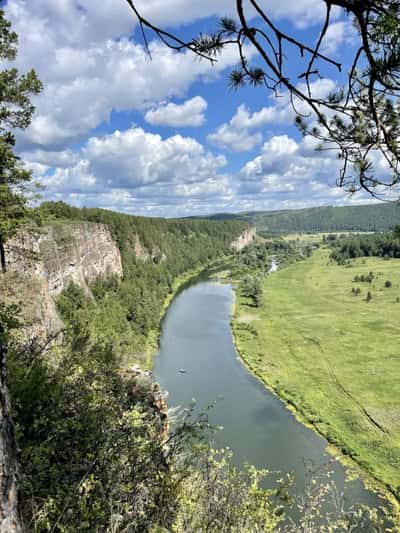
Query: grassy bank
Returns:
{"type": "Point", "coordinates": [332, 354]}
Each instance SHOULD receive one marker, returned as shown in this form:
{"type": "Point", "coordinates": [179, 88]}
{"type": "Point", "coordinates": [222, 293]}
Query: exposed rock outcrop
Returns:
{"type": "Point", "coordinates": [145, 389]}
{"type": "Point", "coordinates": [42, 264]}
{"type": "Point", "coordinates": [244, 239]}
{"type": "Point", "coordinates": [142, 253]}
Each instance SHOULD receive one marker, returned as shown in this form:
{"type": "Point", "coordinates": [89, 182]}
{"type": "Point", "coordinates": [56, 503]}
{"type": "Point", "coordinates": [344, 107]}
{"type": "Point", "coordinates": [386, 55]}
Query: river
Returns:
{"type": "Point", "coordinates": [197, 359]}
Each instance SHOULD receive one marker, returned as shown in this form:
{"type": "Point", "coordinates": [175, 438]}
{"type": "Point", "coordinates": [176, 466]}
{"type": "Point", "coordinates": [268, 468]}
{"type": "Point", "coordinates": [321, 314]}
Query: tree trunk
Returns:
{"type": "Point", "coordinates": [10, 517]}
{"type": "Point", "coordinates": [2, 256]}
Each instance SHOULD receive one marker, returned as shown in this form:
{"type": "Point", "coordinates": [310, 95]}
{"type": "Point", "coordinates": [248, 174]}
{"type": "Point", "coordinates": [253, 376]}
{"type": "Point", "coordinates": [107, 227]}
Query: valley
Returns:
{"type": "Point", "coordinates": [332, 354]}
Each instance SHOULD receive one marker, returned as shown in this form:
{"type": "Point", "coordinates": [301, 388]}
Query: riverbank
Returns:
{"type": "Point", "coordinates": [306, 345]}
{"type": "Point", "coordinates": [153, 338]}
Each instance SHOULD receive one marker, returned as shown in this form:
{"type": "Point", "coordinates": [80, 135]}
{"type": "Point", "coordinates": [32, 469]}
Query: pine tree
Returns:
{"type": "Point", "coordinates": [16, 112]}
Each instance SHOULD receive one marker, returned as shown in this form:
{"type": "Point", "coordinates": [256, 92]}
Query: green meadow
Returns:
{"type": "Point", "coordinates": [331, 353]}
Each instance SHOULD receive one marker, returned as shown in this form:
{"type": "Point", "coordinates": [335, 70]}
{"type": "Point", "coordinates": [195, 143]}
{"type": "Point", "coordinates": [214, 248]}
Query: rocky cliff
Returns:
{"type": "Point", "coordinates": [244, 239]}
{"type": "Point", "coordinates": [43, 263]}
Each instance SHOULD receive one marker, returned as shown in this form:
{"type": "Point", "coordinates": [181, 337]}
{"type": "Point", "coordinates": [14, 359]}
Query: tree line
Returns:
{"type": "Point", "coordinates": [125, 312]}
{"type": "Point", "coordinates": [386, 245]}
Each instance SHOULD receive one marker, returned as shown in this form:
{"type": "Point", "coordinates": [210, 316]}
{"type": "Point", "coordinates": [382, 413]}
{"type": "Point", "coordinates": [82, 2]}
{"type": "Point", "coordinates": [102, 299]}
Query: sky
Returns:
{"type": "Point", "coordinates": [166, 136]}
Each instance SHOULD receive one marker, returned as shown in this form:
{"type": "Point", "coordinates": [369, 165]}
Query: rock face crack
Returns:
{"type": "Point", "coordinates": [49, 261]}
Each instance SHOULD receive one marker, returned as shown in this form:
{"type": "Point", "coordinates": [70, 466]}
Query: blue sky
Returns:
{"type": "Point", "coordinates": [167, 137]}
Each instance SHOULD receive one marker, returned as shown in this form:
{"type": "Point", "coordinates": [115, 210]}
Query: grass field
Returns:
{"type": "Point", "coordinates": [332, 354]}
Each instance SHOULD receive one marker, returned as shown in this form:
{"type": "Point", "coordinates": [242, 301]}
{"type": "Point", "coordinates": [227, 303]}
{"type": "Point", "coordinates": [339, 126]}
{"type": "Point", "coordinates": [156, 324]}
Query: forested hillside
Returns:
{"type": "Point", "coordinates": [385, 245]}
{"type": "Point", "coordinates": [154, 253]}
{"type": "Point", "coordinates": [377, 217]}
{"type": "Point", "coordinates": [90, 432]}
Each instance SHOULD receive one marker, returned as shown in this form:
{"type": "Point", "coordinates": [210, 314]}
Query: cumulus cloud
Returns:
{"type": "Point", "coordinates": [237, 140]}
{"type": "Point", "coordinates": [287, 166]}
{"type": "Point", "coordinates": [338, 34]}
{"type": "Point", "coordinates": [91, 66]}
{"type": "Point", "coordinates": [88, 74]}
{"type": "Point", "coordinates": [135, 164]}
{"type": "Point", "coordinates": [189, 114]}
{"type": "Point", "coordinates": [115, 78]}
{"type": "Point", "coordinates": [303, 13]}
{"type": "Point", "coordinates": [239, 135]}
{"type": "Point", "coordinates": [140, 172]}
{"type": "Point", "coordinates": [134, 157]}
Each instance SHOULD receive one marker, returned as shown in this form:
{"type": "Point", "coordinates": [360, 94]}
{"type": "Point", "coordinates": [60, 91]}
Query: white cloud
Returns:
{"type": "Point", "coordinates": [140, 172]}
{"type": "Point", "coordinates": [90, 67]}
{"type": "Point", "coordinates": [116, 77]}
{"type": "Point", "coordinates": [238, 134]}
{"type": "Point", "coordinates": [286, 166]}
{"type": "Point", "coordinates": [237, 140]}
{"type": "Point", "coordinates": [134, 157]}
{"type": "Point", "coordinates": [338, 34]}
{"type": "Point", "coordinates": [189, 114]}
{"type": "Point", "coordinates": [63, 159]}
{"type": "Point", "coordinates": [136, 164]}
{"type": "Point", "coordinates": [303, 13]}
{"type": "Point", "coordinates": [84, 53]}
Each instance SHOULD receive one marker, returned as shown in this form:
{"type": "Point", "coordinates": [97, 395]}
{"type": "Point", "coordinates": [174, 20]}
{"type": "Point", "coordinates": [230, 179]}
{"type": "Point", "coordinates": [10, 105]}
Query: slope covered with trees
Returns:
{"type": "Point", "coordinates": [377, 217]}
{"type": "Point", "coordinates": [386, 245]}
{"type": "Point", "coordinates": [155, 252]}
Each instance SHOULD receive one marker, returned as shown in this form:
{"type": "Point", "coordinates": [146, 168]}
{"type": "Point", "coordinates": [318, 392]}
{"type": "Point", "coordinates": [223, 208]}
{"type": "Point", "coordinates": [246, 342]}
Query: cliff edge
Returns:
{"type": "Point", "coordinates": [244, 239]}
{"type": "Point", "coordinates": [41, 264]}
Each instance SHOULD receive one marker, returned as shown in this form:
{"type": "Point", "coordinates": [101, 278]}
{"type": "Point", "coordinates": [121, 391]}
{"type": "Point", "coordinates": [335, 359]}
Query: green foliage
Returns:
{"type": "Point", "coordinates": [364, 278]}
{"type": "Point", "coordinates": [92, 444]}
{"type": "Point", "coordinates": [388, 284]}
{"type": "Point", "coordinates": [384, 245]}
{"type": "Point", "coordinates": [155, 252]}
{"type": "Point", "coordinates": [378, 217]}
{"type": "Point", "coordinates": [220, 498]}
{"type": "Point", "coordinates": [259, 254]}
{"type": "Point", "coordinates": [71, 301]}
{"type": "Point", "coordinates": [90, 440]}
{"type": "Point", "coordinates": [16, 112]}
{"type": "Point", "coordinates": [337, 359]}
{"type": "Point", "coordinates": [94, 454]}
{"type": "Point", "coordinates": [251, 287]}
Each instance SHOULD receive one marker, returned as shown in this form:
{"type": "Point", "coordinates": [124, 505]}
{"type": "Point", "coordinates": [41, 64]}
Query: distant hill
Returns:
{"type": "Point", "coordinates": [376, 217]}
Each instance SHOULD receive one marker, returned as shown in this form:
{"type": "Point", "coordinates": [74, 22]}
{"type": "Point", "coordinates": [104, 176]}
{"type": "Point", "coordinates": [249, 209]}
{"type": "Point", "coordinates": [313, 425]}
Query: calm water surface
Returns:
{"type": "Point", "coordinates": [259, 429]}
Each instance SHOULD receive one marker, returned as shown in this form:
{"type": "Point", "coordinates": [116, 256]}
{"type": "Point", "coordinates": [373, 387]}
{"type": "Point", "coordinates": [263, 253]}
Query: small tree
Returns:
{"type": "Point", "coordinates": [388, 284]}
{"type": "Point", "coordinates": [16, 112]}
{"type": "Point", "coordinates": [369, 296]}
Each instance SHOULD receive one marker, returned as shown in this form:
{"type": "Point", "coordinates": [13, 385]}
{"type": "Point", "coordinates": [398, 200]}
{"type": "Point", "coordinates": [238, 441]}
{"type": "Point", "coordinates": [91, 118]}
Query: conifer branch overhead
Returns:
{"type": "Point", "coordinates": [360, 120]}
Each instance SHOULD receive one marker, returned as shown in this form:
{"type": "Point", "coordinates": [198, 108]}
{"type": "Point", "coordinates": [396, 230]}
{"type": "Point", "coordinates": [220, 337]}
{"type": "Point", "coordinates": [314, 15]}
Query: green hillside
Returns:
{"type": "Point", "coordinates": [155, 253]}
{"type": "Point", "coordinates": [376, 217]}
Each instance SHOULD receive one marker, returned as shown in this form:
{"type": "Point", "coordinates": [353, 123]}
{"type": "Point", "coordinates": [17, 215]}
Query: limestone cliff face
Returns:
{"type": "Point", "coordinates": [42, 264]}
{"type": "Point", "coordinates": [244, 239]}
